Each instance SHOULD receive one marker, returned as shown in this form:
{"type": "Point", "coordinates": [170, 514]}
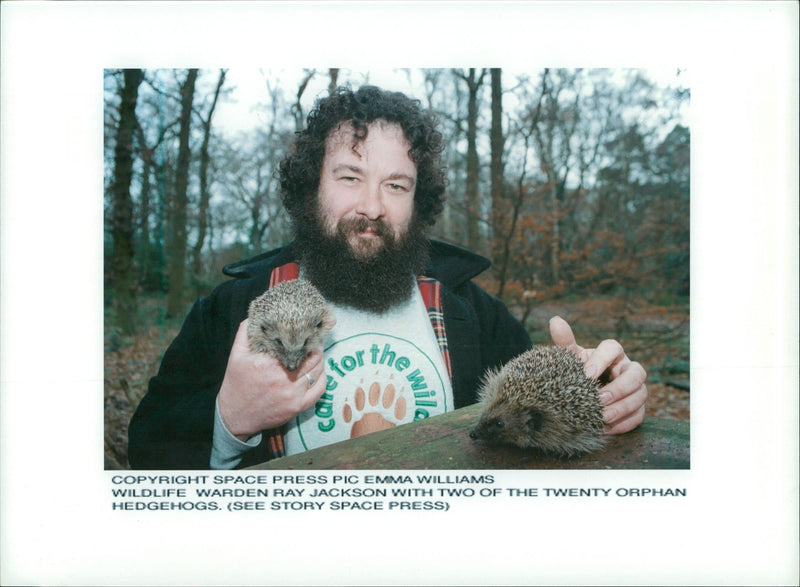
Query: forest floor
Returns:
{"type": "Point", "coordinates": [654, 335]}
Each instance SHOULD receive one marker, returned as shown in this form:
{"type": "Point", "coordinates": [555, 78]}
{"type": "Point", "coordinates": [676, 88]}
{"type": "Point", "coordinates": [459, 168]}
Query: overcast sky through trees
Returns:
{"type": "Point", "coordinates": [248, 86]}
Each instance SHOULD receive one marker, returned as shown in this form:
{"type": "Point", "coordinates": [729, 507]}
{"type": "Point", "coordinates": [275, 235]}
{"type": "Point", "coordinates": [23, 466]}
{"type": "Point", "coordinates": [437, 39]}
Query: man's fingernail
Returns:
{"type": "Point", "coordinates": [591, 371]}
{"type": "Point", "coordinates": [606, 398]}
{"type": "Point", "coordinates": [609, 415]}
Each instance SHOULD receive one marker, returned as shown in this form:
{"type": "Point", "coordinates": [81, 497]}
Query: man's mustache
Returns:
{"type": "Point", "coordinates": [361, 224]}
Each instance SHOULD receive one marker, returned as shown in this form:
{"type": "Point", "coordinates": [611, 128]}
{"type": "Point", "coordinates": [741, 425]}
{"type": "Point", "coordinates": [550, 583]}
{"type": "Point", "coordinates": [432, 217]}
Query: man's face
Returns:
{"type": "Point", "coordinates": [368, 193]}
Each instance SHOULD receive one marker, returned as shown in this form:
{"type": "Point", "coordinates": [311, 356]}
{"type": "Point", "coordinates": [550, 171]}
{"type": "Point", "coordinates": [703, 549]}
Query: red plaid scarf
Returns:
{"type": "Point", "coordinates": [431, 291]}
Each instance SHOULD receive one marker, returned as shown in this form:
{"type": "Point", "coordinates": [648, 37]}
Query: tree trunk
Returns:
{"type": "Point", "coordinates": [122, 223]}
{"type": "Point", "coordinates": [297, 108]}
{"type": "Point", "coordinates": [143, 252]}
{"type": "Point", "coordinates": [555, 249]}
{"type": "Point", "coordinates": [144, 222]}
{"type": "Point", "coordinates": [545, 147]}
{"type": "Point", "coordinates": [472, 196]}
{"type": "Point", "coordinates": [202, 213]}
{"type": "Point", "coordinates": [496, 172]}
{"type": "Point", "coordinates": [505, 244]}
{"type": "Point", "coordinates": [177, 253]}
{"type": "Point", "coordinates": [333, 73]}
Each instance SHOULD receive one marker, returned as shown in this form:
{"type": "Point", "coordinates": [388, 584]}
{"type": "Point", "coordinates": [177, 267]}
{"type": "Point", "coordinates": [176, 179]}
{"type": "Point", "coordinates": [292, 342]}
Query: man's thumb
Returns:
{"type": "Point", "coordinates": [562, 335]}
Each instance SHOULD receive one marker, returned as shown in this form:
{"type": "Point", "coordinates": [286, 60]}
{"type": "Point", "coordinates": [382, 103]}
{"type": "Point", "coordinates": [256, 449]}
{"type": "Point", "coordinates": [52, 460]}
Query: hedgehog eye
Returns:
{"type": "Point", "coordinates": [263, 328]}
{"type": "Point", "coordinates": [319, 324]}
{"type": "Point", "coordinates": [278, 342]}
{"type": "Point", "coordinates": [499, 424]}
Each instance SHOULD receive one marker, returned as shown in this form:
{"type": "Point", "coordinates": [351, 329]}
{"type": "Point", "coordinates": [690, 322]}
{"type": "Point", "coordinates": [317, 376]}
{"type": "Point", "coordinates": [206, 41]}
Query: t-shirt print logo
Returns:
{"type": "Point", "coordinates": [372, 421]}
{"type": "Point", "coordinates": [374, 381]}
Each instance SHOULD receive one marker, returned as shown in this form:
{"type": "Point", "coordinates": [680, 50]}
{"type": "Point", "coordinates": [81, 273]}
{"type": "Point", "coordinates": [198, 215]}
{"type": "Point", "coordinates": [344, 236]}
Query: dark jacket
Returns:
{"type": "Point", "coordinates": [173, 426]}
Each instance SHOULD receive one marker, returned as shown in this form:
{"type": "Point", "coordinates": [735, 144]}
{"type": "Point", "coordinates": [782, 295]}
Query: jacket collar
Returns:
{"type": "Point", "coordinates": [449, 264]}
{"type": "Point", "coordinates": [260, 264]}
{"type": "Point", "coordinates": [452, 265]}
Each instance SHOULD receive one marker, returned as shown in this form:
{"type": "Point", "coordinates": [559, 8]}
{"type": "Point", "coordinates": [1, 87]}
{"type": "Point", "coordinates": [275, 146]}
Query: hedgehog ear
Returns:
{"type": "Point", "coordinates": [328, 320]}
{"type": "Point", "coordinates": [535, 419]}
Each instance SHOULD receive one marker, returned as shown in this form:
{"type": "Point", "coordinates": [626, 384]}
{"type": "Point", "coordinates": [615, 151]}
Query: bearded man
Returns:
{"type": "Point", "coordinates": [363, 183]}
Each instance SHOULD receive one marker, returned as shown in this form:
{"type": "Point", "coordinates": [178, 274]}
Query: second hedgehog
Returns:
{"type": "Point", "coordinates": [541, 399]}
{"type": "Point", "coordinates": [289, 321]}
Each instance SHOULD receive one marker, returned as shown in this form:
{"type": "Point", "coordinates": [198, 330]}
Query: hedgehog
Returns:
{"type": "Point", "coordinates": [289, 321]}
{"type": "Point", "coordinates": [541, 399]}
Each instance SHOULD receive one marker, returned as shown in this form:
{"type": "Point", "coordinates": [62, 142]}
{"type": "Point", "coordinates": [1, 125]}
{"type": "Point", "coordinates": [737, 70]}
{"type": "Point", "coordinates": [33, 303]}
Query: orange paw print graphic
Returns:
{"type": "Point", "coordinates": [372, 421]}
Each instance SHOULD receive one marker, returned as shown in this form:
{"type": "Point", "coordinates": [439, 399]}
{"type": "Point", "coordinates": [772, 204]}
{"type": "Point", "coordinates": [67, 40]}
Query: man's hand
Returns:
{"type": "Point", "coordinates": [258, 393]}
{"type": "Point", "coordinates": [625, 395]}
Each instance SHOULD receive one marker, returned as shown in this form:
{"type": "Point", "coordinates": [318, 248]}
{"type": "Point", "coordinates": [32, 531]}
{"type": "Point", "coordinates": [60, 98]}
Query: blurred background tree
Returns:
{"type": "Point", "coordinates": [572, 181]}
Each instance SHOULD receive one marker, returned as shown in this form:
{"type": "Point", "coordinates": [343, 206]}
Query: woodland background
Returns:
{"type": "Point", "coordinates": [574, 182]}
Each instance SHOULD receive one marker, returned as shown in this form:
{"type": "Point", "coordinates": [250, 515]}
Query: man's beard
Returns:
{"type": "Point", "coordinates": [372, 281]}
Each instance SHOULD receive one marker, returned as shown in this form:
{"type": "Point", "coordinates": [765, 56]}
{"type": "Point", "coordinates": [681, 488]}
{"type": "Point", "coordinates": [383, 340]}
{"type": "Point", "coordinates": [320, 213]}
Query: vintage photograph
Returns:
{"type": "Point", "coordinates": [397, 240]}
{"type": "Point", "coordinates": [319, 293]}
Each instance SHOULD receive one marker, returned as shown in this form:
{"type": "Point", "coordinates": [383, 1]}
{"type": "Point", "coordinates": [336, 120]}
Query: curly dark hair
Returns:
{"type": "Point", "coordinates": [300, 170]}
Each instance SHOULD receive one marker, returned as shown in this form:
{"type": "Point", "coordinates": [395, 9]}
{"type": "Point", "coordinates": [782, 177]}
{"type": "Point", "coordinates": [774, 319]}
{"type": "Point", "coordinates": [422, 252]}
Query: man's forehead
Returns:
{"type": "Point", "coordinates": [344, 133]}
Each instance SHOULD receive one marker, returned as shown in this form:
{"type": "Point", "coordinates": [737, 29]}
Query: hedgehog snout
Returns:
{"type": "Point", "coordinates": [293, 360]}
{"type": "Point", "coordinates": [475, 432]}
{"type": "Point", "coordinates": [478, 434]}
{"type": "Point", "coordinates": [486, 430]}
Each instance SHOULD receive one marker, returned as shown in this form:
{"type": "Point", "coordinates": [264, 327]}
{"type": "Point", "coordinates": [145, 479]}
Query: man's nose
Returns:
{"type": "Point", "coordinates": [370, 203]}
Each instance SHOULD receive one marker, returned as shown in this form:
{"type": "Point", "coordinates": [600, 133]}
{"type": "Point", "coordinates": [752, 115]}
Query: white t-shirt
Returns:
{"type": "Point", "coordinates": [382, 370]}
